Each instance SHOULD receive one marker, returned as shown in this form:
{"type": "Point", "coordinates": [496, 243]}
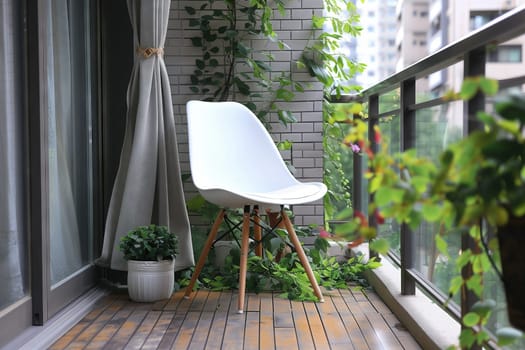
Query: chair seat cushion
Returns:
{"type": "Point", "coordinates": [302, 192]}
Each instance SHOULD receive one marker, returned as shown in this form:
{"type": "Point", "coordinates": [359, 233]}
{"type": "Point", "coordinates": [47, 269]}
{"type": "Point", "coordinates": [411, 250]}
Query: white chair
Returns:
{"type": "Point", "coordinates": [236, 164]}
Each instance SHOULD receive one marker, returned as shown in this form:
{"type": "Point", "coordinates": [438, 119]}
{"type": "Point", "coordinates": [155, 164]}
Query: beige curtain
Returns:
{"type": "Point", "coordinates": [148, 186]}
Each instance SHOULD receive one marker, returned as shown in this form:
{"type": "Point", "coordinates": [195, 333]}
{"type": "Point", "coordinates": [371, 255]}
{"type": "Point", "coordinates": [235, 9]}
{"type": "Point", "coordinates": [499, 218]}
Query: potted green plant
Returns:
{"type": "Point", "coordinates": [477, 189]}
{"type": "Point", "coordinates": [150, 252]}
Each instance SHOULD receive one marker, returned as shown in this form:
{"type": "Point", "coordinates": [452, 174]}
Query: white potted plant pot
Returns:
{"type": "Point", "coordinates": [150, 281]}
{"type": "Point", "coordinates": [222, 250]}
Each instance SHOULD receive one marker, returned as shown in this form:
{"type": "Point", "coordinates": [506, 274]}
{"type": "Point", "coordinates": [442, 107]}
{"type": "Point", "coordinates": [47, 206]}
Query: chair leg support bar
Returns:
{"type": "Point", "coordinates": [257, 232]}
{"type": "Point", "coordinates": [205, 252]}
{"type": "Point", "coordinates": [244, 258]}
{"type": "Point", "coordinates": [302, 256]}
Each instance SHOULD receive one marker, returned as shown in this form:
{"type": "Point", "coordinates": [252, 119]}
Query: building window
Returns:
{"type": "Point", "coordinates": [435, 25]}
{"type": "Point", "coordinates": [479, 18]}
{"type": "Point", "coordinates": [505, 54]}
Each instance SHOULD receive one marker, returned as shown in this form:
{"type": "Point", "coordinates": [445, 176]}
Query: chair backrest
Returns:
{"type": "Point", "coordinates": [231, 149]}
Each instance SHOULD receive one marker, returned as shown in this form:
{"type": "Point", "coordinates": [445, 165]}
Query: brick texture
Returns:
{"type": "Point", "coordinates": [293, 26]}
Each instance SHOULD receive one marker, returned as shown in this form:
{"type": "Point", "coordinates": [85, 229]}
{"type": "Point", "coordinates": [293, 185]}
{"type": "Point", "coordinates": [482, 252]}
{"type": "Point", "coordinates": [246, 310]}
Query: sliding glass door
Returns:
{"type": "Point", "coordinates": [48, 109]}
{"type": "Point", "coordinates": [70, 100]}
{"type": "Point", "coordinates": [14, 245]}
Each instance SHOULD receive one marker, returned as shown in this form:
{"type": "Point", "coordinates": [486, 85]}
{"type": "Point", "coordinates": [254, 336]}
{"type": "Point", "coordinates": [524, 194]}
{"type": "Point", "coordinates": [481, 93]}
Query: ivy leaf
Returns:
{"type": "Point", "coordinates": [508, 335]}
{"type": "Point", "coordinates": [284, 95]}
{"type": "Point", "coordinates": [200, 64]}
{"type": "Point", "coordinates": [194, 22]}
{"type": "Point", "coordinates": [380, 245]}
{"type": "Point", "coordinates": [455, 285]}
{"type": "Point", "coordinates": [196, 41]}
{"type": "Point", "coordinates": [432, 212]}
{"type": "Point", "coordinates": [190, 10]}
{"type": "Point", "coordinates": [467, 338]}
{"type": "Point", "coordinates": [242, 86]}
{"type": "Point", "coordinates": [442, 245]}
{"type": "Point", "coordinates": [471, 319]}
{"type": "Point", "coordinates": [346, 228]}
{"type": "Point", "coordinates": [469, 88]}
{"type": "Point", "coordinates": [475, 284]}
{"type": "Point", "coordinates": [483, 307]}
{"type": "Point", "coordinates": [489, 86]}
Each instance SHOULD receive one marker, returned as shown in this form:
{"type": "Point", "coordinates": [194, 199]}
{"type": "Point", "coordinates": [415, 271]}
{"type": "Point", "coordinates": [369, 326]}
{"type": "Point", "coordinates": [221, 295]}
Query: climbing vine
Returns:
{"type": "Point", "coordinates": [229, 66]}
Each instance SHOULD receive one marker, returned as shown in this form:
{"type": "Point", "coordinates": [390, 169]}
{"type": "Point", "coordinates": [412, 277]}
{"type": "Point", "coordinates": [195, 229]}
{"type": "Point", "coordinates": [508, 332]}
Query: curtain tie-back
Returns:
{"type": "Point", "coordinates": [150, 51]}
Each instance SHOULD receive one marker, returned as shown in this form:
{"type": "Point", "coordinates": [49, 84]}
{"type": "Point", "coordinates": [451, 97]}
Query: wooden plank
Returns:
{"type": "Point", "coordinates": [376, 302]}
{"type": "Point", "coordinates": [202, 330]}
{"type": "Point", "coordinates": [155, 337]}
{"type": "Point", "coordinates": [173, 302]}
{"type": "Point", "coordinates": [234, 330]}
{"type": "Point", "coordinates": [383, 331]}
{"type": "Point", "coordinates": [212, 302]}
{"type": "Point", "coordinates": [316, 326]}
{"type": "Point", "coordinates": [186, 330]}
{"type": "Point", "coordinates": [106, 333]}
{"type": "Point", "coordinates": [142, 332]}
{"type": "Point", "coordinates": [209, 320]}
{"type": "Point", "coordinates": [173, 330]}
{"type": "Point", "coordinates": [333, 324]}
{"type": "Point", "coordinates": [218, 325]}
{"type": "Point", "coordinates": [285, 339]}
{"type": "Point", "coordinates": [266, 330]}
{"type": "Point", "coordinates": [405, 338]}
{"type": "Point", "coordinates": [251, 331]}
{"type": "Point", "coordinates": [89, 332]}
{"type": "Point", "coordinates": [254, 302]}
{"type": "Point", "coordinates": [364, 325]}
{"type": "Point", "coordinates": [302, 327]}
{"type": "Point", "coordinates": [70, 335]}
{"type": "Point", "coordinates": [351, 326]}
{"type": "Point", "coordinates": [123, 335]}
{"type": "Point", "coordinates": [282, 313]}
{"type": "Point", "coordinates": [199, 300]}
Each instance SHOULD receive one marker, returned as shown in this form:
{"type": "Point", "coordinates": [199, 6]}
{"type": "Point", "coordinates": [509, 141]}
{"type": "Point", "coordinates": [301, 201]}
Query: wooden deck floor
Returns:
{"type": "Point", "coordinates": [348, 319]}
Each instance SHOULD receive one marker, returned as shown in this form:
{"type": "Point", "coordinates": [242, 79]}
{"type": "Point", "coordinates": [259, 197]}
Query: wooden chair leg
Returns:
{"type": "Point", "coordinates": [302, 255]}
{"type": "Point", "coordinates": [205, 252]}
{"type": "Point", "coordinates": [257, 232]}
{"type": "Point", "coordinates": [244, 258]}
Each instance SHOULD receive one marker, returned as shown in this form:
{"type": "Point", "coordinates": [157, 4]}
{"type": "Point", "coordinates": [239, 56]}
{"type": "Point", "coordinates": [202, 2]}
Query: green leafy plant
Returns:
{"type": "Point", "coordinates": [149, 243]}
{"type": "Point", "coordinates": [475, 190]}
{"type": "Point", "coordinates": [286, 273]}
{"type": "Point", "coordinates": [230, 66]}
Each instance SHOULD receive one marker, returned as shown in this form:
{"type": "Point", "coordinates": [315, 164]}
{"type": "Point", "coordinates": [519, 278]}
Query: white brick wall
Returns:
{"type": "Point", "coordinates": [294, 27]}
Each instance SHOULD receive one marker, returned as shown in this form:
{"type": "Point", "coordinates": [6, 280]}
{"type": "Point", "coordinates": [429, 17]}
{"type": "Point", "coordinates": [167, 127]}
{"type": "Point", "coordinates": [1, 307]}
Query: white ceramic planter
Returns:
{"type": "Point", "coordinates": [150, 280]}
{"type": "Point", "coordinates": [222, 250]}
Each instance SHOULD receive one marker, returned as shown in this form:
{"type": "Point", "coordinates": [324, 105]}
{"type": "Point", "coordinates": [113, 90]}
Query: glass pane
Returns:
{"type": "Point", "coordinates": [69, 127]}
{"type": "Point", "coordinates": [389, 101]}
{"type": "Point", "coordinates": [390, 131]}
{"type": "Point", "coordinates": [435, 128]}
{"type": "Point", "coordinates": [14, 258]}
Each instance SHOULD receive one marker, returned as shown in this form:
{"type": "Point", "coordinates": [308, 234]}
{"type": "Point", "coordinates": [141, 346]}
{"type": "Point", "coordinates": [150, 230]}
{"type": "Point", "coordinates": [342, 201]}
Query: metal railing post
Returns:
{"type": "Point", "coordinates": [373, 111]}
{"type": "Point", "coordinates": [408, 137]}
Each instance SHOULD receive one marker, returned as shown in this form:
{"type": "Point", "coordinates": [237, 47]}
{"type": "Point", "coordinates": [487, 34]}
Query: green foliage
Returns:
{"type": "Point", "coordinates": [230, 66]}
{"type": "Point", "coordinates": [285, 273]}
{"type": "Point", "coordinates": [226, 31]}
{"type": "Point", "coordinates": [149, 243]}
{"type": "Point", "coordinates": [478, 183]}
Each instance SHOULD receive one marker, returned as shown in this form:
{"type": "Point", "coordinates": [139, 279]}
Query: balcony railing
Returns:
{"type": "Point", "coordinates": [409, 108]}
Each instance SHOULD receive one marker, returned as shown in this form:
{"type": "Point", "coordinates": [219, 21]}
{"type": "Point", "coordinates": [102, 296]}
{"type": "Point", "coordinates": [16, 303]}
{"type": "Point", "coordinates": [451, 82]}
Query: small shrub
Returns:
{"type": "Point", "coordinates": [149, 243]}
